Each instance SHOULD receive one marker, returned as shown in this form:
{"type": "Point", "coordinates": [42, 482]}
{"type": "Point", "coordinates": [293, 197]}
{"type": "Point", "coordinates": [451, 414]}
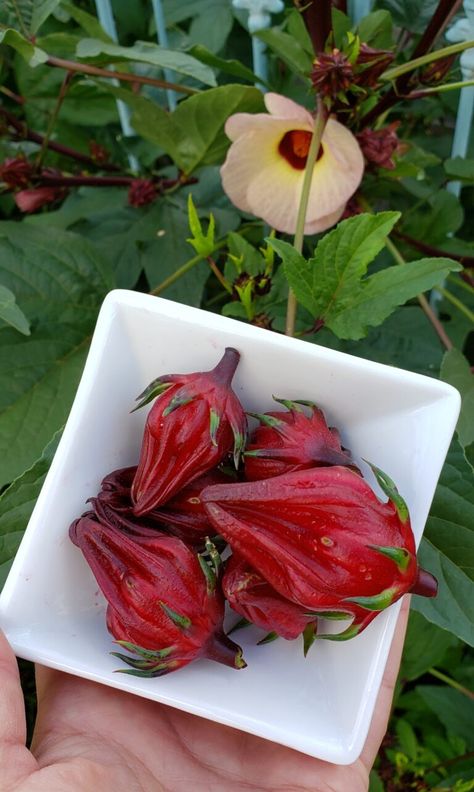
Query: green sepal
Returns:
{"type": "Point", "coordinates": [149, 654]}
{"type": "Point", "coordinates": [255, 453]}
{"type": "Point", "coordinates": [209, 574]}
{"type": "Point", "coordinates": [309, 637]}
{"type": "Point", "coordinates": [388, 486]}
{"type": "Point", "coordinates": [177, 401]}
{"type": "Point", "coordinates": [267, 420]}
{"type": "Point", "coordinates": [239, 625]}
{"type": "Point", "coordinates": [214, 421]}
{"type": "Point", "coordinates": [203, 244]}
{"type": "Point", "coordinates": [154, 389]}
{"type": "Point", "coordinates": [239, 445]}
{"type": "Point", "coordinates": [268, 638]}
{"type": "Point", "coordinates": [377, 602]}
{"type": "Point", "coordinates": [399, 555]}
{"type": "Point", "coordinates": [156, 671]}
{"type": "Point", "coordinates": [330, 615]}
{"type": "Point", "coordinates": [294, 404]}
{"type": "Point", "coordinates": [181, 621]}
{"type": "Point", "coordinates": [346, 635]}
{"type": "Point", "coordinates": [214, 556]}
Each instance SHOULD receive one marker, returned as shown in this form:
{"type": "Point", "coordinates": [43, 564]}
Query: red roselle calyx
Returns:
{"type": "Point", "coordinates": [291, 440]}
{"type": "Point", "coordinates": [196, 421]}
{"type": "Point", "coordinates": [249, 594]}
{"type": "Point", "coordinates": [164, 606]}
{"type": "Point", "coordinates": [323, 540]}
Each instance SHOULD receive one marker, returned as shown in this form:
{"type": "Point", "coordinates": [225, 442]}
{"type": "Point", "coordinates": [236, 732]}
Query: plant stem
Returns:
{"type": "Point", "coordinates": [188, 265]}
{"type": "Point", "coordinates": [451, 682]}
{"type": "Point", "coordinates": [455, 301]}
{"type": "Point", "coordinates": [318, 20]}
{"type": "Point", "coordinates": [423, 60]}
{"type": "Point", "coordinates": [426, 307]}
{"type": "Point", "coordinates": [462, 284]}
{"type": "Point", "coordinates": [455, 86]}
{"type": "Point", "coordinates": [319, 126]}
{"type": "Point", "coordinates": [24, 133]}
{"type": "Point", "coordinates": [54, 117]}
{"type": "Point", "coordinates": [219, 274]}
{"type": "Point", "coordinates": [466, 261]}
{"type": "Point", "coordinates": [84, 68]}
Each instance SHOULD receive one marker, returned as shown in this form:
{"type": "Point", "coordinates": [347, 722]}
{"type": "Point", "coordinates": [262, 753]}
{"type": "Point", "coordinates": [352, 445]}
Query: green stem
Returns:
{"type": "Point", "coordinates": [397, 71]}
{"type": "Point", "coordinates": [54, 117]}
{"type": "Point", "coordinates": [188, 265]}
{"type": "Point", "coordinates": [439, 89]}
{"type": "Point", "coordinates": [451, 682]}
{"type": "Point", "coordinates": [425, 306]}
{"type": "Point", "coordinates": [319, 126]}
{"type": "Point", "coordinates": [455, 301]}
{"type": "Point", "coordinates": [461, 283]}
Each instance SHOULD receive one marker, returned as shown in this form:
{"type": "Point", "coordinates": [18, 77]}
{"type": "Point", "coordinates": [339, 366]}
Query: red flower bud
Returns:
{"type": "Point", "coordinates": [142, 192]}
{"type": "Point", "coordinates": [16, 172]}
{"type": "Point", "coordinates": [331, 73]}
{"type": "Point", "coordinates": [249, 594]}
{"type": "Point", "coordinates": [288, 441]}
{"type": "Point", "coordinates": [323, 539]}
{"type": "Point", "coordinates": [30, 201]}
{"type": "Point", "coordinates": [436, 71]}
{"type": "Point", "coordinates": [195, 422]}
{"type": "Point", "coordinates": [164, 606]}
{"type": "Point", "coordinates": [370, 64]}
{"type": "Point", "coordinates": [379, 145]}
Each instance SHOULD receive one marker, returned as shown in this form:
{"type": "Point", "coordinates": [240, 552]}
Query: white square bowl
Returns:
{"type": "Point", "coordinates": [51, 609]}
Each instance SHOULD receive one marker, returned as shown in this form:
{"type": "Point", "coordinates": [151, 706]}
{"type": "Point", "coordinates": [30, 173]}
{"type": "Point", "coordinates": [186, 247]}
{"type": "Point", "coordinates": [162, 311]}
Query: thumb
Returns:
{"type": "Point", "coordinates": [12, 717]}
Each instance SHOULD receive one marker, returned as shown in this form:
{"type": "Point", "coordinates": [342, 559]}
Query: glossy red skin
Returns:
{"type": "Point", "coordinates": [297, 443]}
{"type": "Point", "coordinates": [177, 448]}
{"type": "Point", "coordinates": [137, 574]}
{"type": "Point", "coordinates": [308, 533]}
{"type": "Point", "coordinates": [249, 594]}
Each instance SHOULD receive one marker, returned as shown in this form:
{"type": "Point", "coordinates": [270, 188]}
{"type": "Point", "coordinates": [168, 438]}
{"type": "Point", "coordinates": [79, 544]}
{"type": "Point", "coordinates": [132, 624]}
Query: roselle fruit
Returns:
{"type": "Point", "coordinates": [249, 594]}
{"type": "Point", "coordinates": [196, 421]}
{"type": "Point", "coordinates": [291, 440]}
{"type": "Point", "coordinates": [164, 604]}
{"type": "Point", "coordinates": [323, 540]}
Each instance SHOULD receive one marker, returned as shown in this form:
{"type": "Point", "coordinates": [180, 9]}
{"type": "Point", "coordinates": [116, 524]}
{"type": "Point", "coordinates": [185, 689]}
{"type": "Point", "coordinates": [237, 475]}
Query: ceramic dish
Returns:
{"type": "Point", "coordinates": [50, 607]}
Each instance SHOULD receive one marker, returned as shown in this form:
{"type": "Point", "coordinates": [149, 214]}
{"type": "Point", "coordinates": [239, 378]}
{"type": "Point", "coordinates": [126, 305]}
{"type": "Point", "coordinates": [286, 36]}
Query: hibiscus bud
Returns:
{"type": "Point", "coordinates": [142, 192]}
{"type": "Point", "coordinates": [379, 145]}
{"type": "Point", "coordinates": [331, 73]}
{"type": "Point", "coordinates": [249, 594]}
{"type": "Point", "coordinates": [436, 71]}
{"type": "Point", "coordinates": [370, 64]}
{"type": "Point", "coordinates": [164, 606]}
{"type": "Point", "coordinates": [323, 540]}
{"type": "Point", "coordinates": [30, 201]}
{"type": "Point", "coordinates": [16, 172]}
{"type": "Point", "coordinates": [196, 421]}
{"type": "Point", "coordinates": [287, 441]}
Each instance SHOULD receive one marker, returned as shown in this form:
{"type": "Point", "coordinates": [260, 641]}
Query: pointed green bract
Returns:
{"type": "Point", "coordinates": [399, 555]}
{"type": "Point", "coordinates": [239, 445]}
{"type": "Point", "coordinates": [154, 389]}
{"type": "Point", "coordinates": [267, 420]}
{"type": "Point", "coordinates": [176, 618]}
{"type": "Point", "coordinates": [214, 556]}
{"type": "Point", "coordinates": [239, 625]}
{"type": "Point", "coordinates": [309, 637]}
{"type": "Point", "coordinates": [268, 638]}
{"type": "Point", "coordinates": [146, 653]}
{"type": "Point", "coordinates": [209, 574]}
{"type": "Point", "coordinates": [377, 602]}
{"type": "Point", "coordinates": [330, 615]}
{"type": "Point", "coordinates": [289, 404]}
{"type": "Point", "coordinates": [214, 425]}
{"type": "Point", "coordinates": [346, 635]}
{"type": "Point", "coordinates": [203, 244]}
{"type": "Point", "coordinates": [177, 401]}
{"type": "Point", "coordinates": [388, 486]}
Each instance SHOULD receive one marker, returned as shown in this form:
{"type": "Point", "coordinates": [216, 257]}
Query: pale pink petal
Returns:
{"type": "Point", "coordinates": [274, 194]}
{"type": "Point", "coordinates": [242, 123]}
{"type": "Point", "coordinates": [282, 107]}
{"type": "Point", "coordinates": [323, 223]}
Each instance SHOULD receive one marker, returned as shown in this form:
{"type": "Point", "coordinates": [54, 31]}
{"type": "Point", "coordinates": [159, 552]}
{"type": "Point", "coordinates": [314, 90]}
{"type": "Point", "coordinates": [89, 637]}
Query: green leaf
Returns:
{"type": "Point", "coordinates": [212, 27]}
{"type": "Point", "coordinates": [341, 24]}
{"type": "Point", "coordinates": [233, 67]}
{"type": "Point", "coordinates": [203, 244]}
{"type": "Point", "coordinates": [59, 280]}
{"type": "Point", "coordinates": [447, 550]}
{"type": "Point", "coordinates": [454, 709]}
{"type": "Point", "coordinates": [460, 168]}
{"type": "Point", "coordinates": [11, 313]}
{"type": "Point", "coordinates": [412, 15]}
{"type": "Point", "coordinates": [176, 12]}
{"type": "Point", "coordinates": [146, 52]}
{"type": "Point", "coordinates": [331, 285]}
{"type": "Point", "coordinates": [33, 55]}
{"type": "Point", "coordinates": [469, 455]}
{"type": "Point", "coordinates": [375, 29]}
{"type": "Point", "coordinates": [42, 9]}
{"type": "Point", "coordinates": [16, 505]}
{"type": "Point", "coordinates": [456, 370]}
{"type": "Point", "coordinates": [434, 640]}
{"type": "Point", "coordinates": [194, 134]}
{"type": "Point", "coordinates": [89, 23]}
{"type": "Point", "coordinates": [288, 49]}
{"type": "Point", "coordinates": [299, 32]}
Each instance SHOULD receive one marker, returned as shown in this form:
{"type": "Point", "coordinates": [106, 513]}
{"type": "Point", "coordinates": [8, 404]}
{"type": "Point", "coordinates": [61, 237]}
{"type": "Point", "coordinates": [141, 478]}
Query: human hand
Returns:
{"type": "Point", "coordinates": [90, 737]}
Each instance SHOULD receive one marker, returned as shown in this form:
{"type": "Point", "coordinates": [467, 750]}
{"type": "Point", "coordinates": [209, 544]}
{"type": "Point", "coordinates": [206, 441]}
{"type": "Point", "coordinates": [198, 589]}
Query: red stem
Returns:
{"type": "Point", "coordinates": [318, 20]}
{"type": "Point", "coordinates": [441, 17]}
{"type": "Point", "coordinates": [466, 261]}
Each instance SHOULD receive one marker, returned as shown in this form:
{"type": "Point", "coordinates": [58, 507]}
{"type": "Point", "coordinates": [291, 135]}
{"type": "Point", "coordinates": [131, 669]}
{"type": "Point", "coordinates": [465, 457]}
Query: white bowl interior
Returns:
{"type": "Point", "coordinates": [51, 608]}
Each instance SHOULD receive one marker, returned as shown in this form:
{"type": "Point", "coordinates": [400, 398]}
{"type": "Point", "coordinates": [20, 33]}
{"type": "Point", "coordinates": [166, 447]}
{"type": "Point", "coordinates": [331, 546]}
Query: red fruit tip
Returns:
{"type": "Point", "coordinates": [425, 584]}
